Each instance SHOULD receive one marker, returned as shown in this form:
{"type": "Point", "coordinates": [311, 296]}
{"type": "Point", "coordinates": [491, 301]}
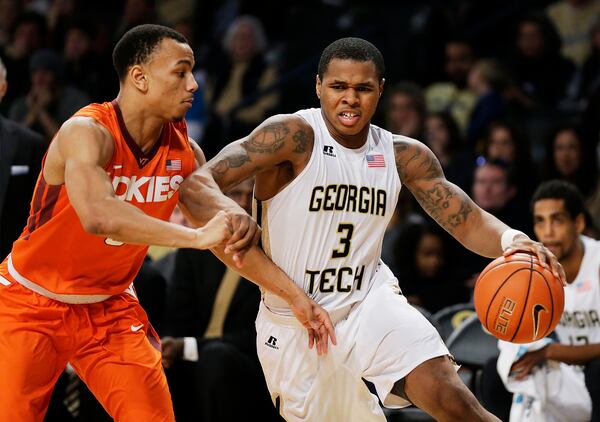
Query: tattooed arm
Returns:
{"type": "Point", "coordinates": [445, 202]}
{"type": "Point", "coordinates": [275, 152]}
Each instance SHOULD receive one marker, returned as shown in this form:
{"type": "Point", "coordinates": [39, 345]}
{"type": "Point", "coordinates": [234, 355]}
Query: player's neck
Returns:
{"type": "Point", "coordinates": [144, 128]}
{"type": "Point", "coordinates": [572, 263]}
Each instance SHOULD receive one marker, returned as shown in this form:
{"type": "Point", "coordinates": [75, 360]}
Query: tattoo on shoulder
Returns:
{"type": "Point", "coordinates": [268, 139]}
{"type": "Point", "coordinates": [413, 159]}
{"type": "Point", "coordinates": [301, 140]}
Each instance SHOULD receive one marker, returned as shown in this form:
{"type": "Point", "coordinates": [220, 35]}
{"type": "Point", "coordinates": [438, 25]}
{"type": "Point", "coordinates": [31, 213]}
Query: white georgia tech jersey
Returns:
{"type": "Point", "coordinates": [325, 229]}
{"type": "Point", "coordinates": [580, 322]}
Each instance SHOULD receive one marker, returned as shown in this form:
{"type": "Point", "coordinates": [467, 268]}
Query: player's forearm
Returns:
{"type": "Point", "coordinates": [259, 269]}
{"type": "Point", "coordinates": [482, 233]}
{"type": "Point", "coordinates": [451, 207]}
{"type": "Point", "coordinates": [123, 222]}
{"type": "Point", "coordinates": [201, 198]}
{"type": "Point", "coordinates": [573, 355]}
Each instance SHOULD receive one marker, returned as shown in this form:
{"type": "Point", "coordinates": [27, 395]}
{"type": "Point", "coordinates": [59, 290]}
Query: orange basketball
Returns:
{"type": "Point", "coordinates": [517, 299]}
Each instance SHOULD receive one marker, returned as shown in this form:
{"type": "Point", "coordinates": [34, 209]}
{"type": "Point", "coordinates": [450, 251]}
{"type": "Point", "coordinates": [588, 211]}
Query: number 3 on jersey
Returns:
{"type": "Point", "coordinates": [346, 230]}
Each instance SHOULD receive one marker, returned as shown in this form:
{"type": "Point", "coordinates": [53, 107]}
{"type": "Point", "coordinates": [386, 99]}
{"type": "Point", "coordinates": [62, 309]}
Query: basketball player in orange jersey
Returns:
{"type": "Point", "coordinates": [327, 182]}
{"type": "Point", "coordinates": [109, 181]}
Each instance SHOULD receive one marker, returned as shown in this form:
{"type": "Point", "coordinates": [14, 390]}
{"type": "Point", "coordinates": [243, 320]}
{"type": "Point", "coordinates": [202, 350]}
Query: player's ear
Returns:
{"type": "Point", "coordinates": [138, 77]}
{"type": "Point", "coordinates": [381, 83]}
{"type": "Point", "coordinates": [318, 86]}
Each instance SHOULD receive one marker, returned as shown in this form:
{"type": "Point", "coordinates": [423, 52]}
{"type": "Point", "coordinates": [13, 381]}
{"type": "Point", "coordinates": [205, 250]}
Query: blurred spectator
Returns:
{"type": "Point", "coordinates": [27, 35]}
{"type": "Point", "coordinates": [404, 108]}
{"type": "Point", "coordinates": [210, 350]}
{"type": "Point", "coordinates": [9, 11]}
{"type": "Point", "coordinates": [424, 268]}
{"type": "Point", "coordinates": [494, 190]}
{"type": "Point", "coordinates": [136, 12]}
{"type": "Point", "coordinates": [573, 20]}
{"type": "Point", "coordinates": [454, 96]}
{"type": "Point", "coordinates": [49, 102]}
{"type": "Point", "coordinates": [234, 84]}
{"type": "Point", "coordinates": [488, 81]}
{"type": "Point", "coordinates": [507, 143]}
{"type": "Point", "coordinates": [60, 14]}
{"type": "Point", "coordinates": [569, 158]}
{"type": "Point", "coordinates": [85, 69]}
{"type": "Point", "coordinates": [590, 73]}
{"type": "Point", "coordinates": [170, 12]}
{"type": "Point", "coordinates": [443, 137]}
{"type": "Point", "coordinates": [21, 152]}
{"type": "Point", "coordinates": [537, 51]}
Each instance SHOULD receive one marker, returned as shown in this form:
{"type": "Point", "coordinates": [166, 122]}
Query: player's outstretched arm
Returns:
{"type": "Point", "coordinates": [451, 207]}
{"type": "Point", "coordinates": [76, 158]}
{"type": "Point", "coordinates": [446, 203]}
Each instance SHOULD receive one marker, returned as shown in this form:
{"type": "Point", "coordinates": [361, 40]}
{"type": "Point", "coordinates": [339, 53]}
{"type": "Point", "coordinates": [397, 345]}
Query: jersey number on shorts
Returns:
{"type": "Point", "coordinates": [345, 240]}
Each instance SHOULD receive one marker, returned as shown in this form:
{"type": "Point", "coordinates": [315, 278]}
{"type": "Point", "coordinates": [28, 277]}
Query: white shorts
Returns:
{"type": "Point", "coordinates": [382, 340]}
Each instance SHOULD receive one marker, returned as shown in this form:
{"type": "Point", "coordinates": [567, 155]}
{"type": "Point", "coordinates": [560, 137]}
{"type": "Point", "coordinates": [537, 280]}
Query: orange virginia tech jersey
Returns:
{"type": "Point", "coordinates": [56, 253]}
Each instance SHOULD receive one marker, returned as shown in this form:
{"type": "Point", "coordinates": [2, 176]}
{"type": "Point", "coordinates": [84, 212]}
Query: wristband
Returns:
{"type": "Point", "coordinates": [508, 236]}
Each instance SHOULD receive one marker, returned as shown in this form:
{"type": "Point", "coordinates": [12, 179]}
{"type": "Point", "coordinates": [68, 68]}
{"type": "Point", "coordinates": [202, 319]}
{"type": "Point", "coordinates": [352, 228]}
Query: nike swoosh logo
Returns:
{"type": "Point", "coordinates": [135, 328]}
{"type": "Point", "coordinates": [536, 318]}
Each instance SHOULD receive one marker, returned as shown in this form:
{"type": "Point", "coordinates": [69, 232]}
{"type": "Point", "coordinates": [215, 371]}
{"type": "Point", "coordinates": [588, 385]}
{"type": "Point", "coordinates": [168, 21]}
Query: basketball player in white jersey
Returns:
{"type": "Point", "coordinates": [327, 182]}
{"type": "Point", "coordinates": [558, 212]}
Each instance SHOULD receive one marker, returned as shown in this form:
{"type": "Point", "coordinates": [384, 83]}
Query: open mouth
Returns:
{"type": "Point", "coordinates": [348, 118]}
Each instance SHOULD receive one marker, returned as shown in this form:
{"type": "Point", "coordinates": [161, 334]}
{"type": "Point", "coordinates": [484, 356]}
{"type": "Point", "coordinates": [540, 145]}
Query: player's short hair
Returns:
{"type": "Point", "coordinates": [137, 45]}
{"type": "Point", "coordinates": [560, 189]}
{"type": "Point", "coordinates": [352, 48]}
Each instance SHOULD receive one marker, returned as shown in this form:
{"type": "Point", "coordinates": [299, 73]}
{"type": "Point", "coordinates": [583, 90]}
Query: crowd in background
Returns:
{"type": "Point", "coordinates": [505, 93]}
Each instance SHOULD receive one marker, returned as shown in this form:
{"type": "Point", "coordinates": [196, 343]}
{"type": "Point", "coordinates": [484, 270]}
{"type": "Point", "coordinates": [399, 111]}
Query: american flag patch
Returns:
{"type": "Point", "coordinates": [375, 160]}
{"type": "Point", "coordinates": [173, 165]}
{"type": "Point", "coordinates": [584, 286]}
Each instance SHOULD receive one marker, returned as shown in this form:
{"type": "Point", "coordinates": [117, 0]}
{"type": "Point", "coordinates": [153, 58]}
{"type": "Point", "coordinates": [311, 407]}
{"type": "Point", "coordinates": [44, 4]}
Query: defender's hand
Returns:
{"type": "Point", "coordinates": [546, 257]}
{"type": "Point", "coordinates": [217, 231]}
{"type": "Point", "coordinates": [246, 233]}
{"type": "Point", "coordinates": [316, 320]}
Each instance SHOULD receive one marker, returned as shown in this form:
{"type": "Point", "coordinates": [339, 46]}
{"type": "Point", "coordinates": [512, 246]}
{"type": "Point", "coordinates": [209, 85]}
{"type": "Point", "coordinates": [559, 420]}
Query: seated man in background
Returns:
{"type": "Point", "coordinates": [559, 220]}
{"type": "Point", "coordinates": [211, 355]}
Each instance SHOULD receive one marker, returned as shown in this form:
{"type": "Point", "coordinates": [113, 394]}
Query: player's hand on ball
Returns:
{"type": "Point", "coordinates": [544, 255]}
{"type": "Point", "coordinates": [316, 320]}
{"type": "Point", "coordinates": [172, 350]}
{"type": "Point", "coordinates": [216, 232]}
{"type": "Point", "coordinates": [246, 233]}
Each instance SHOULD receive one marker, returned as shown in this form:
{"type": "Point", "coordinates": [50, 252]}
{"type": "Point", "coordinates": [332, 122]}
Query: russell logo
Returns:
{"type": "Point", "coordinates": [272, 343]}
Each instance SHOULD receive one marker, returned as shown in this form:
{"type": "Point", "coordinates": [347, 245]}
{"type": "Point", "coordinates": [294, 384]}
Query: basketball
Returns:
{"type": "Point", "coordinates": [517, 299]}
